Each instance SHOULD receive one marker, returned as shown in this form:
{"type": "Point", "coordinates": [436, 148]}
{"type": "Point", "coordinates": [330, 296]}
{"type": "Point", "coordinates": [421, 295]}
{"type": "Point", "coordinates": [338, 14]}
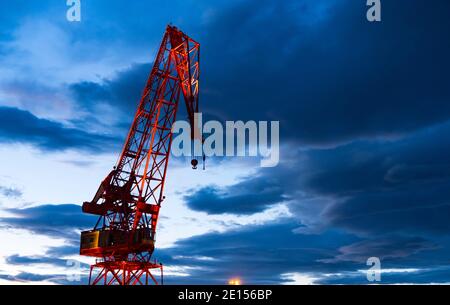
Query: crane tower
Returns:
{"type": "Point", "coordinates": [129, 198]}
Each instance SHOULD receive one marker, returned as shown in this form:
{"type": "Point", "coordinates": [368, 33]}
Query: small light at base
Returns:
{"type": "Point", "coordinates": [234, 282]}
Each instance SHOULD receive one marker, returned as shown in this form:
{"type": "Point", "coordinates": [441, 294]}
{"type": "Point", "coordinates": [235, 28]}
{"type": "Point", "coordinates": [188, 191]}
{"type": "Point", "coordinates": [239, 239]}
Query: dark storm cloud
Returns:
{"type": "Point", "coordinates": [122, 91]}
{"type": "Point", "coordinates": [386, 248]}
{"type": "Point", "coordinates": [257, 254]}
{"type": "Point", "coordinates": [393, 194]}
{"type": "Point", "coordinates": [438, 275]}
{"type": "Point", "coordinates": [40, 260]}
{"type": "Point", "coordinates": [55, 221]}
{"type": "Point", "coordinates": [25, 260]}
{"type": "Point", "coordinates": [367, 187]}
{"type": "Point", "coordinates": [246, 197]}
{"type": "Point", "coordinates": [265, 254]}
{"type": "Point", "coordinates": [385, 187]}
{"type": "Point", "coordinates": [319, 67]}
{"type": "Point", "coordinates": [19, 126]}
{"type": "Point", "coordinates": [72, 248]}
{"type": "Point", "coordinates": [62, 221]}
{"type": "Point", "coordinates": [24, 276]}
{"type": "Point", "coordinates": [325, 72]}
{"type": "Point", "coordinates": [33, 277]}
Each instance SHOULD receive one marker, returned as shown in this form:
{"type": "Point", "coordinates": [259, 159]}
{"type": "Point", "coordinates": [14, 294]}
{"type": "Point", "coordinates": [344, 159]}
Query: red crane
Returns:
{"type": "Point", "coordinates": [129, 198]}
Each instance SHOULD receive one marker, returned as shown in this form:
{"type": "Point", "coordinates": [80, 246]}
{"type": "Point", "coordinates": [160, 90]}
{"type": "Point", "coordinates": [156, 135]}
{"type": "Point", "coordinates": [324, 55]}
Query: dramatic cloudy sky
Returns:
{"type": "Point", "coordinates": [364, 111]}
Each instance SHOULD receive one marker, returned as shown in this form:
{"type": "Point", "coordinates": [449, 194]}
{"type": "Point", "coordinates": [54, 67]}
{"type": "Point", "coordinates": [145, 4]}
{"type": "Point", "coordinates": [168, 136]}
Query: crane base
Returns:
{"type": "Point", "coordinates": [124, 273]}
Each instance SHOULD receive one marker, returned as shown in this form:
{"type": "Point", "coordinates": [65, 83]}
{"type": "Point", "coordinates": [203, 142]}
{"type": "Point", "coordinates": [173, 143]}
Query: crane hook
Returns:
{"type": "Point", "coordinates": [194, 163]}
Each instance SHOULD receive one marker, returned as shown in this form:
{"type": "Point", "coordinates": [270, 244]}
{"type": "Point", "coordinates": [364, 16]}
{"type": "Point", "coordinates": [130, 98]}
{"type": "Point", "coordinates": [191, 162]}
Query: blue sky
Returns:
{"type": "Point", "coordinates": [364, 119]}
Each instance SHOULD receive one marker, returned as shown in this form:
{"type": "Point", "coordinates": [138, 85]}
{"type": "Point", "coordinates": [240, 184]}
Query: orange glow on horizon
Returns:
{"type": "Point", "coordinates": [234, 281]}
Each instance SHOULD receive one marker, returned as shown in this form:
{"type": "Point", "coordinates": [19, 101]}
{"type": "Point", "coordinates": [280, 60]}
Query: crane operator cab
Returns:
{"type": "Point", "coordinates": [106, 242]}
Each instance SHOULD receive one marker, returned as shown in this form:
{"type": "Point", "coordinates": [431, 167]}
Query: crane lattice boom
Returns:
{"type": "Point", "coordinates": [129, 198]}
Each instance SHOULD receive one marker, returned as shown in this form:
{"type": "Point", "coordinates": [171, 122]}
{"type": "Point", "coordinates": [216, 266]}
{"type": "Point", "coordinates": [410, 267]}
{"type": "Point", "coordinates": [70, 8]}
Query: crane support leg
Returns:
{"type": "Point", "coordinates": [125, 273]}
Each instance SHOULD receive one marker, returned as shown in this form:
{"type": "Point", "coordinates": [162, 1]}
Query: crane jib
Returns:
{"type": "Point", "coordinates": [129, 198]}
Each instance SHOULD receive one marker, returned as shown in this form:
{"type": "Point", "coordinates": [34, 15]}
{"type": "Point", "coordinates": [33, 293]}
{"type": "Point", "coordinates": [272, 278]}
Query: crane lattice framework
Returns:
{"type": "Point", "coordinates": [129, 198]}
